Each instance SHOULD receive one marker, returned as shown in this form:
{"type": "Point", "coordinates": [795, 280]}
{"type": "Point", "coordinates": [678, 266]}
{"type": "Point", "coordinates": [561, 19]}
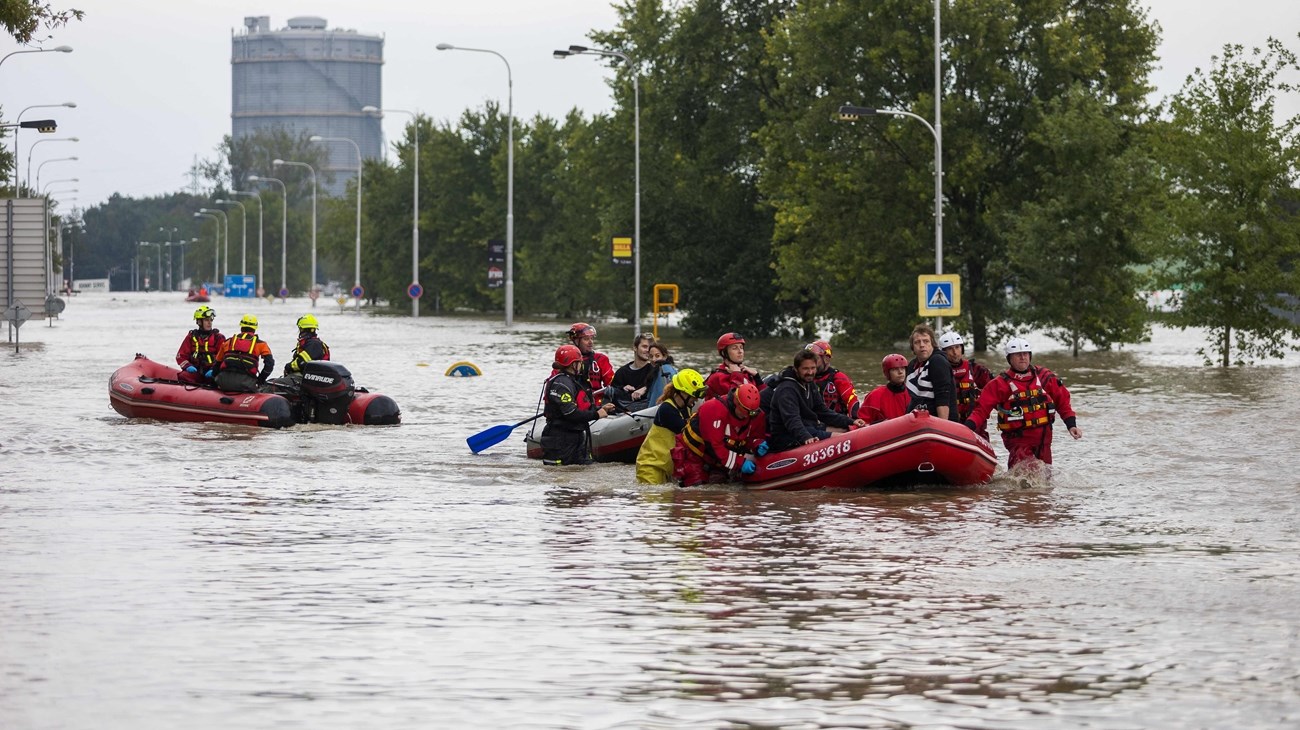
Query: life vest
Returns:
{"type": "Point", "coordinates": [203, 347]}
{"type": "Point", "coordinates": [582, 399]}
{"type": "Point", "coordinates": [697, 445]}
{"type": "Point", "coordinates": [1027, 406]}
{"type": "Point", "coordinates": [300, 354]}
{"type": "Point", "coordinates": [967, 391]}
{"type": "Point", "coordinates": [240, 355]}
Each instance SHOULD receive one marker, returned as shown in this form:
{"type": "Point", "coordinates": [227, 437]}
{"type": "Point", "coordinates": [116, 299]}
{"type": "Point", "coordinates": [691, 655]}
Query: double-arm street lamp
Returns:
{"type": "Point", "coordinates": [225, 248]}
{"type": "Point", "coordinates": [243, 219]}
{"type": "Point", "coordinates": [510, 176]}
{"type": "Point", "coordinates": [284, 232]}
{"type": "Point", "coordinates": [415, 206]}
{"type": "Point", "coordinates": [216, 246]}
{"type": "Point", "coordinates": [636, 123]}
{"type": "Point", "coordinates": [357, 281]}
{"type": "Point", "coordinates": [255, 194]}
{"type": "Point", "coordinates": [19, 118]}
{"type": "Point", "coordinates": [279, 163]}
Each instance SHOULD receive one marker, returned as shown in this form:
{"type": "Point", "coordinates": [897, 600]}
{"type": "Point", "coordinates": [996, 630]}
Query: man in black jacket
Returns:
{"type": "Point", "coordinates": [569, 410]}
{"type": "Point", "coordinates": [798, 413]}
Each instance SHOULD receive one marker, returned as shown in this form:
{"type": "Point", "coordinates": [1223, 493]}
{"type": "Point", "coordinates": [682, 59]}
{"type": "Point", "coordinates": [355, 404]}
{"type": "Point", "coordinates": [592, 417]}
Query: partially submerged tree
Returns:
{"type": "Point", "coordinates": [1233, 172]}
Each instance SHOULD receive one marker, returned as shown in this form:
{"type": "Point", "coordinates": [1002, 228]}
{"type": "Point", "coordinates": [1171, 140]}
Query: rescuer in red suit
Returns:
{"type": "Point", "coordinates": [1027, 399]}
{"type": "Point", "coordinates": [596, 370]}
{"type": "Point", "coordinates": [968, 376]}
{"type": "Point", "coordinates": [889, 400]}
{"type": "Point", "coordinates": [732, 372]}
{"type": "Point", "coordinates": [836, 387]}
{"type": "Point", "coordinates": [197, 354]}
{"type": "Point", "coordinates": [716, 439]}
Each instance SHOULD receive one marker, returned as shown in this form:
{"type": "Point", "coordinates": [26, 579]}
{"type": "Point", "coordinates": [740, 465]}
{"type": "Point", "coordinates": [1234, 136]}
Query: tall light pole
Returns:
{"type": "Point", "coordinates": [170, 232]}
{"type": "Point", "coordinates": [56, 49]}
{"type": "Point", "coordinates": [243, 219]}
{"type": "Point", "coordinates": [510, 176]}
{"type": "Point", "coordinates": [19, 118]}
{"type": "Point", "coordinates": [225, 249]}
{"type": "Point", "coordinates": [159, 245]}
{"type": "Point", "coordinates": [43, 164]}
{"type": "Point", "coordinates": [312, 288]}
{"type": "Point", "coordinates": [636, 123]}
{"type": "Point", "coordinates": [255, 194]}
{"type": "Point", "coordinates": [284, 231]}
{"type": "Point", "coordinates": [357, 281]}
{"type": "Point", "coordinates": [415, 206]}
{"type": "Point", "coordinates": [216, 247]}
{"type": "Point", "coordinates": [33, 147]}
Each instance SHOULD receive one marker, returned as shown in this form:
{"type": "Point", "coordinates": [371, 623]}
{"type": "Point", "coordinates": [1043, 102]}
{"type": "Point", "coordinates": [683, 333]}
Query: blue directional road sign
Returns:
{"type": "Point", "coordinates": [240, 285]}
{"type": "Point", "coordinates": [939, 295]}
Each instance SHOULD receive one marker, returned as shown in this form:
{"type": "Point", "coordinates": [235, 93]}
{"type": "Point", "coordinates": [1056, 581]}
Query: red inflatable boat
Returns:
{"type": "Point", "coordinates": [146, 389]}
{"type": "Point", "coordinates": [914, 449]}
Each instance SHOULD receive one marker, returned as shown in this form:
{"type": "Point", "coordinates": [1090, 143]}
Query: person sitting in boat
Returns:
{"type": "Point", "coordinates": [1027, 399]}
{"type": "Point", "coordinates": [891, 399]}
{"type": "Point", "coordinates": [197, 355]}
{"type": "Point", "coordinates": [714, 444]}
{"type": "Point", "coordinates": [732, 372]}
{"type": "Point", "coordinates": [569, 409]}
{"type": "Point", "coordinates": [631, 384]}
{"type": "Point", "coordinates": [596, 370]}
{"type": "Point", "coordinates": [929, 377]}
{"type": "Point", "coordinates": [310, 347]}
{"type": "Point", "coordinates": [968, 376]}
{"type": "Point", "coordinates": [836, 387]}
{"type": "Point", "coordinates": [798, 414]}
{"type": "Point", "coordinates": [665, 369]}
{"type": "Point", "coordinates": [654, 461]}
{"type": "Point", "coordinates": [238, 358]}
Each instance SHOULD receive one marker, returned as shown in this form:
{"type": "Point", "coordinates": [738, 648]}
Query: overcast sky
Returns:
{"type": "Point", "coordinates": [152, 78]}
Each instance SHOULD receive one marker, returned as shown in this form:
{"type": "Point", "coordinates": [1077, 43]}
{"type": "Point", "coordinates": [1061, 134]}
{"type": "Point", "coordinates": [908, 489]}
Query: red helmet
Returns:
{"type": "Point", "coordinates": [820, 347]}
{"type": "Point", "coordinates": [747, 396]}
{"type": "Point", "coordinates": [581, 329]}
{"type": "Point", "coordinates": [731, 338]}
{"type": "Point", "coordinates": [892, 361]}
{"type": "Point", "coordinates": [566, 355]}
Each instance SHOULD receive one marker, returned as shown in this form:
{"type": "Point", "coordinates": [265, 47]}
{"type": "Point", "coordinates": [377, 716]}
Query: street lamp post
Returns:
{"type": "Point", "coordinates": [636, 123]}
{"type": "Point", "coordinates": [33, 147]}
{"type": "Point", "coordinates": [19, 118]}
{"type": "Point", "coordinates": [243, 220]}
{"type": "Point", "coordinates": [510, 176]}
{"type": "Point", "coordinates": [43, 164]}
{"type": "Point", "coordinates": [415, 207]}
{"type": "Point", "coordinates": [159, 245]}
{"type": "Point", "coordinates": [357, 281]}
{"type": "Point", "coordinates": [170, 232]}
{"type": "Point", "coordinates": [312, 288]}
{"type": "Point", "coordinates": [254, 194]}
{"type": "Point", "coordinates": [284, 230]}
{"type": "Point", "coordinates": [216, 247]}
{"type": "Point", "coordinates": [225, 248]}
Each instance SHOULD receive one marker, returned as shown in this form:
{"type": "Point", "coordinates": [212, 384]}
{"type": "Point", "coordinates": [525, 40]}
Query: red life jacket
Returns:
{"type": "Point", "coordinates": [203, 350]}
{"type": "Point", "coordinates": [240, 355]}
{"type": "Point", "coordinates": [1027, 406]}
{"type": "Point", "coordinates": [967, 390]}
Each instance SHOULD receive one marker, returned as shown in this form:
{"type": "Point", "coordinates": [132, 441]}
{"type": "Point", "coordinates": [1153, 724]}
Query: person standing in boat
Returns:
{"type": "Point", "coordinates": [654, 461]}
{"type": "Point", "coordinates": [1027, 399]}
{"type": "Point", "coordinates": [596, 370]}
{"type": "Point", "coordinates": [929, 377]}
{"type": "Point", "coordinates": [968, 376]}
{"type": "Point", "coordinates": [569, 409]}
{"type": "Point", "coordinates": [712, 447]}
{"type": "Point", "coordinates": [238, 359]}
{"type": "Point", "coordinates": [732, 372]}
{"type": "Point", "coordinates": [665, 369]}
{"type": "Point", "coordinates": [836, 387]}
{"type": "Point", "coordinates": [891, 399]}
{"type": "Point", "coordinates": [197, 354]}
{"type": "Point", "coordinates": [798, 414]}
{"type": "Point", "coordinates": [310, 346]}
{"type": "Point", "coordinates": [631, 383]}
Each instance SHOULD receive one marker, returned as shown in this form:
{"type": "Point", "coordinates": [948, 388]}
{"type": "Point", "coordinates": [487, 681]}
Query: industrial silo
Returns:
{"type": "Point", "coordinates": [308, 78]}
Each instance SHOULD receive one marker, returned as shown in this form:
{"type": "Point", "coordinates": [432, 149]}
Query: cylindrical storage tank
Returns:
{"type": "Point", "coordinates": [306, 78]}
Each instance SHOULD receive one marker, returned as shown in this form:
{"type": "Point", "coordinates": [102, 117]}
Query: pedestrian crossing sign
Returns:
{"type": "Point", "coordinates": [939, 295]}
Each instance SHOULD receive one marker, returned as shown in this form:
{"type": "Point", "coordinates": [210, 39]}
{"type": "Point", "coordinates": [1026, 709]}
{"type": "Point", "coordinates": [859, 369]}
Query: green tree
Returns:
{"type": "Point", "coordinates": [22, 19]}
{"type": "Point", "coordinates": [1233, 172]}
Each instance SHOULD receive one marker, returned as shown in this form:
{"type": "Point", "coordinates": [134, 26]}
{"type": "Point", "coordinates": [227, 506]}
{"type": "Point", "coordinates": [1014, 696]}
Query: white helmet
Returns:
{"type": "Point", "coordinates": [1016, 344]}
{"type": "Point", "coordinates": [948, 339]}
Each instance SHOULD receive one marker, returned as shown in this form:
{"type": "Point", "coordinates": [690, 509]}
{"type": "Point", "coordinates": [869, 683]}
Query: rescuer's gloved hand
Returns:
{"type": "Point", "coordinates": [749, 467]}
{"type": "Point", "coordinates": [761, 449]}
{"type": "Point", "coordinates": [191, 369]}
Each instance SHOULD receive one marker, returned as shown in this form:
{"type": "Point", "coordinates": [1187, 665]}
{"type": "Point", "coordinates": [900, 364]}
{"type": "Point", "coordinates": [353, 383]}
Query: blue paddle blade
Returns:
{"type": "Point", "coordinates": [491, 437]}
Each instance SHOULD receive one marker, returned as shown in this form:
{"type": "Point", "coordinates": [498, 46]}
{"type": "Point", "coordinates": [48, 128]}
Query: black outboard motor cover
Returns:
{"type": "Point", "coordinates": [330, 386]}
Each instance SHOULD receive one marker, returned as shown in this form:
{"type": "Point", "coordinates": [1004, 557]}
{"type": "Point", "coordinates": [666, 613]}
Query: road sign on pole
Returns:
{"type": "Point", "coordinates": [938, 295]}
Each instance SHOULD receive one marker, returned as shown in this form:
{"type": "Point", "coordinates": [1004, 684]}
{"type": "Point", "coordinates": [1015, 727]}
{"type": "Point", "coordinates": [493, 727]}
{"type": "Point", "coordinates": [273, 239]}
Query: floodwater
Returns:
{"type": "Point", "coordinates": [157, 575]}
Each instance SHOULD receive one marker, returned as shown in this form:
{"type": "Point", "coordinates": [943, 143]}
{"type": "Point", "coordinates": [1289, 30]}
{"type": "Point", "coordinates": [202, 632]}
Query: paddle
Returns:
{"type": "Point", "coordinates": [495, 435]}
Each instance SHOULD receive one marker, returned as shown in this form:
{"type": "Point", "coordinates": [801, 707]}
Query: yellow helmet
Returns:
{"type": "Point", "coordinates": [689, 382]}
{"type": "Point", "coordinates": [204, 313]}
{"type": "Point", "coordinates": [308, 322]}
{"type": "Point", "coordinates": [249, 321]}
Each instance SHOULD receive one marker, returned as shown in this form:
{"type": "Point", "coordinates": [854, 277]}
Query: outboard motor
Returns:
{"type": "Point", "coordinates": [327, 391]}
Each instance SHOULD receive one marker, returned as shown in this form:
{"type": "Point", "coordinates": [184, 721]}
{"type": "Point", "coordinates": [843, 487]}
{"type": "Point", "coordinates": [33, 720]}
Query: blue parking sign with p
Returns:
{"type": "Point", "coordinates": [939, 295]}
